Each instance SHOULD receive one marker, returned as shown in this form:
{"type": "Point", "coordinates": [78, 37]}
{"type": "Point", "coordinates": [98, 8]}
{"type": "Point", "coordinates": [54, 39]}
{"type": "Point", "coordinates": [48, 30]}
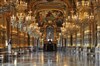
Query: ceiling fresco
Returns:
{"type": "Point", "coordinates": [47, 16]}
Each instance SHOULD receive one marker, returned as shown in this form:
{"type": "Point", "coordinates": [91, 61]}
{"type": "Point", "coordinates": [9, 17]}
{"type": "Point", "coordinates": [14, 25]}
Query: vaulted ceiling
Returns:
{"type": "Point", "coordinates": [63, 6]}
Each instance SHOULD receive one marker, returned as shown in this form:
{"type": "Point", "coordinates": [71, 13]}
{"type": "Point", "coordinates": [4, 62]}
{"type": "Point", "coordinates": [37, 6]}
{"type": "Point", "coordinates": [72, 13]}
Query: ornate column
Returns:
{"type": "Point", "coordinates": [18, 40]}
{"type": "Point", "coordinates": [74, 39]}
{"type": "Point", "coordinates": [68, 40]}
{"type": "Point", "coordinates": [71, 39]}
{"type": "Point", "coordinates": [24, 39]}
{"type": "Point", "coordinates": [90, 35]}
{"type": "Point", "coordinates": [97, 12]}
{"type": "Point", "coordinates": [78, 39]}
{"type": "Point", "coordinates": [65, 42]}
{"type": "Point", "coordinates": [8, 31]}
{"type": "Point", "coordinates": [93, 34]}
{"type": "Point", "coordinates": [28, 39]}
{"type": "Point", "coordinates": [8, 26]}
{"type": "Point", "coordinates": [4, 29]}
{"type": "Point", "coordinates": [98, 36]}
{"type": "Point", "coordinates": [82, 35]}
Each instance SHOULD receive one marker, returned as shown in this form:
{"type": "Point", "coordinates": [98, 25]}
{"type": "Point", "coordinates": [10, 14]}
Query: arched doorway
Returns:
{"type": "Point", "coordinates": [49, 33]}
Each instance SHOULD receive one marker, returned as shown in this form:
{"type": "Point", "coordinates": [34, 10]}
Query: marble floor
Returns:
{"type": "Point", "coordinates": [59, 58]}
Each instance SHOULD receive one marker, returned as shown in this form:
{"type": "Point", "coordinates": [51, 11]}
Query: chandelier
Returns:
{"type": "Point", "coordinates": [85, 11]}
{"type": "Point", "coordinates": [83, 5]}
{"type": "Point", "coordinates": [6, 5]}
{"type": "Point", "coordinates": [21, 6]}
{"type": "Point", "coordinates": [25, 21]}
{"type": "Point", "coordinates": [83, 15]}
{"type": "Point", "coordinates": [69, 28]}
{"type": "Point", "coordinates": [80, 18]}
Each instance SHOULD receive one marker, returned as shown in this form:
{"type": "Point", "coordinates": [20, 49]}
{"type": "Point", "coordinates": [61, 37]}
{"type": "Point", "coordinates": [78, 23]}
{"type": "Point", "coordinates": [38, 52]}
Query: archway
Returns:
{"type": "Point", "coordinates": [50, 33]}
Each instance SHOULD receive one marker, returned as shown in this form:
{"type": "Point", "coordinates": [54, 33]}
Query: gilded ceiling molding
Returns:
{"type": "Point", "coordinates": [54, 5]}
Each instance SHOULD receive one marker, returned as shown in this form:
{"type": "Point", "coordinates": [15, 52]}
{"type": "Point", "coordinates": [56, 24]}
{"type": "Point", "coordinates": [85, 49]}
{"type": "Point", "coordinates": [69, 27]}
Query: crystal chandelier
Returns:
{"type": "Point", "coordinates": [21, 6]}
{"type": "Point", "coordinates": [69, 28]}
{"type": "Point", "coordinates": [81, 5]}
{"type": "Point", "coordinates": [80, 18]}
{"type": "Point", "coordinates": [25, 22]}
{"type": "Point", "coordinates": [83, 15]}
{"type": "Point", "coordinates": [85, 11]}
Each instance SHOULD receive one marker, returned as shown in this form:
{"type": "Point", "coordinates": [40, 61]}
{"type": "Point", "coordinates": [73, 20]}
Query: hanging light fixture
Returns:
{"type": "Point", "coordinates": [25, 22]}
{"type": "Point", "coordinates": [78, 18]}
{"type": "Point", "coordinates": [83, 15]}
{"type": "Point", "coordinates": [84, 11]}
{"type": "Point", "coordinates": [69, 28]}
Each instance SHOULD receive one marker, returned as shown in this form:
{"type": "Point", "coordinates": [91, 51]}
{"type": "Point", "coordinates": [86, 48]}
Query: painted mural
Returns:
{"type": "Point", "coordinates": [45, 16]}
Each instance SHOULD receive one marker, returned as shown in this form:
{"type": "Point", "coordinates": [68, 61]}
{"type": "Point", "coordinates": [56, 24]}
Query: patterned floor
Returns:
{"type": "Point", "coordinates": [54, 59]}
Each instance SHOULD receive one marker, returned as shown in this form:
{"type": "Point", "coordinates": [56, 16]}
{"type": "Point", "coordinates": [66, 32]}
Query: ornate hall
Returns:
{"type": "Point", "coordinates": [49, 32]}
